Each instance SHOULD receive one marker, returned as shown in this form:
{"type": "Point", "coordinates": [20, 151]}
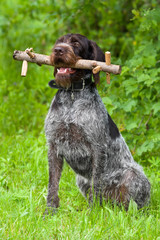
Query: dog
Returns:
{"type": "Point", "coordinates": [80, 131]}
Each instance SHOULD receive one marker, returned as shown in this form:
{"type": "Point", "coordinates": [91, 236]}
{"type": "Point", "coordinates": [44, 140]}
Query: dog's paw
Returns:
{"type": "Point", "coordinates": [50, 211]}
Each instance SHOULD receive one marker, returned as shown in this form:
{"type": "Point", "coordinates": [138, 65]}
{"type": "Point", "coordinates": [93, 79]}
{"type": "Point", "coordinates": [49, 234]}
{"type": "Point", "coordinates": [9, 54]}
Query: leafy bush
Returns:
{"type": "Point", "coordinates": [139, 89]}
{"type": "Point", "coordinates": [126, 28]}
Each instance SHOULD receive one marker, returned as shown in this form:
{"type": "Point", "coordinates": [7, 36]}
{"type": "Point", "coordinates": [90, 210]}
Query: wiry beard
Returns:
{"type": "Point", "coordinates": [63, 80]}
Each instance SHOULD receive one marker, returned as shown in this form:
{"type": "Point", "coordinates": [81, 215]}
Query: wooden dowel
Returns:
{"type": "Point", "coordinates": [81, 64]}
{"type": "Point", "coordinates": [30, 53]}
{"type": "Point", "coordinates": [24, 68]}
{"type": "Point", "coordinates": [96, 69]}
{"type": "Point", "coordinates": [108, 62]}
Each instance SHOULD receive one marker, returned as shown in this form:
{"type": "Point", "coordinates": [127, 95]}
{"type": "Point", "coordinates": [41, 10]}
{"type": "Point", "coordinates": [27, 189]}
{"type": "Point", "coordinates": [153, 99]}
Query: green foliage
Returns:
{"type": "Point", "coordinates": [127, 28]}
{"type": "Point", "coordinates": [140, 83]}
{"type": "Point", "coordinates": [137, 102]}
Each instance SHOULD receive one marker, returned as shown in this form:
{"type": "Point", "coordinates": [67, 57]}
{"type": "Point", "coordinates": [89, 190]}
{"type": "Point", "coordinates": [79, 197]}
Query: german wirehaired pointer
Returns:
{"type": "Point", "coordinates": [80, 130]}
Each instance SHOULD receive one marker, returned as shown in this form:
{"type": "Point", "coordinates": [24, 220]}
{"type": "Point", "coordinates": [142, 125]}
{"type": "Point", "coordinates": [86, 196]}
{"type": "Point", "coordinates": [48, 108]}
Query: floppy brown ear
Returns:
{"type": "Point", "coordinates": [55, 71]}
{"type": "Point", "coordinates": [96, 54]}
{"type": "Point", "coordinates": [96, 78]}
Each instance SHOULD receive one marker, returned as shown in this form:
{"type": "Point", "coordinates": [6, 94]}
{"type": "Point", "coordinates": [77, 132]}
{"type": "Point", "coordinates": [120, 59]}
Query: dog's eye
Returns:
{"type": "Point", "coordinates": [76, 44]}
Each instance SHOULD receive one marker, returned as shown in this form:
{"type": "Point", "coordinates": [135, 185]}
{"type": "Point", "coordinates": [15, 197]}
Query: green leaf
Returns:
{"type": "Point", "coordinates": [143, 78]}
{"type": "Point", "coordinates": [131, 126]}
{"type": "Point", "coordinates": [146, 146]}
{"type": "Point", "coordinates": [149, 61]}
{"type": "Point", "coordinates": [107, 101]}
{"type": "Point", "coordinates": [156, 107]}
{"type": "Point", "coordinates": [125, 70]}
{"type": "Point", "coordinates": [127, 106]}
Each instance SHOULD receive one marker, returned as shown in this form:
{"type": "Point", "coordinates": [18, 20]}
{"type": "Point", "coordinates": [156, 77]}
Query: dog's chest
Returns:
{"type": "Point", "coordinates": [75, 130]}
{"type": "Point", "coordinates": [67, 119]}
{"type": "Point", "coordinates": [69, 125]}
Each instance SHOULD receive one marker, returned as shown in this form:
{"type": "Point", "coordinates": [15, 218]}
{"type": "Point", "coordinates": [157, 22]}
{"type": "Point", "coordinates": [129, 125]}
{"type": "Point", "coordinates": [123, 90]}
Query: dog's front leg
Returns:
{"type": "Point", "coordinates": [55, 169]}
{"type": "Point", "coordinates": [95, 193]}
{"type": "Point", "coordinates": [96, 187]}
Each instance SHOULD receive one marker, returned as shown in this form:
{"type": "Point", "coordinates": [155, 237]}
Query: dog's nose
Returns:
{"type": "Point", "coordinates": [58, 50]}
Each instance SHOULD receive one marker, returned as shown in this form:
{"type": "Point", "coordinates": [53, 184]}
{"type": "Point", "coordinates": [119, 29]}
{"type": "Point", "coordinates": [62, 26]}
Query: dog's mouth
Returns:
{"type": "Point", "coordinates": [64, 71]}
{"type": "Point", "coordinates": [64, 76]}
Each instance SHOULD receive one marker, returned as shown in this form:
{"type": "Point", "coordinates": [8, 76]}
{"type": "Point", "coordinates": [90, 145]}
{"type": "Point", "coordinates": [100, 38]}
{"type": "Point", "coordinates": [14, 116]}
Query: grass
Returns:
{"type": "Point", "coordinates": [23, 190]}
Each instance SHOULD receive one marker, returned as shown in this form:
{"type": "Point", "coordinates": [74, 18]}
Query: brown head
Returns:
{"type": "Point", "coordinates": [67, 50]}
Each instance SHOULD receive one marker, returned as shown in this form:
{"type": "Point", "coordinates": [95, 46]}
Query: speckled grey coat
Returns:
{"type": "Point", "coordinates": [83, 133]}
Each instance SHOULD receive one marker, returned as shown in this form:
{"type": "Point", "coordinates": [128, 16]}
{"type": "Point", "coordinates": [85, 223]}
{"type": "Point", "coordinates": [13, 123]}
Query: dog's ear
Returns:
{"type": "Point", "coordinates": [52, 62]}
{"type": "Point", "coordinates": [55, 71]}
{"type": "Point", "coordinates": [96, 54]}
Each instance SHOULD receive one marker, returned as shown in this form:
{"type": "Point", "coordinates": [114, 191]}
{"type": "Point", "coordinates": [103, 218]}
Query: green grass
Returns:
{"type": "Point", "coordinates": [23, 190]}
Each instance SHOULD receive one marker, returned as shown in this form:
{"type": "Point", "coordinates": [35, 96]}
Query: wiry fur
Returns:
{"type": "Point", "coordinates": [83, 133]}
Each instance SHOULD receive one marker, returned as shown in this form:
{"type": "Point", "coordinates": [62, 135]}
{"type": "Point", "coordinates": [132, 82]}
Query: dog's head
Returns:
{"type": "Point", "coordinates": [68, 49]}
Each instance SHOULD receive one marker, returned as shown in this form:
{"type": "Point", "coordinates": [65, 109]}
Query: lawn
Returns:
{"type": "Point", "coordinates": [23, 190]}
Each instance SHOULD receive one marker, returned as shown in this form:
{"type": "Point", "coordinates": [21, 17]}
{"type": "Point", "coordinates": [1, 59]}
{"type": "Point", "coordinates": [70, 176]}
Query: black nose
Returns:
{"type": "Point", "coordinates": [59, 51]}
